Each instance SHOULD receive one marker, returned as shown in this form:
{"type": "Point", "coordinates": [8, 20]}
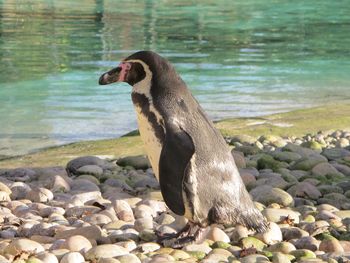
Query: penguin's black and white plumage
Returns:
{"type": "Point", "coordinates": [190, 158]}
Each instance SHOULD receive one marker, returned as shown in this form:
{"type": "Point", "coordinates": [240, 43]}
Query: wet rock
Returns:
{"type": "Point", "coordinates": [304, 189]}
{"type": "Point", "coordinates": [335, 153]}
{"type": "Point", "coordinates": [286, 156]}
{"type": "Point", "coordinates": [324, 169]}
{"type": "Point", "coordinates": [75, 164]}
{"type": "Point", "coordinates": [138, 162]}
{"type": "Point", "coordinates": [91, 169]}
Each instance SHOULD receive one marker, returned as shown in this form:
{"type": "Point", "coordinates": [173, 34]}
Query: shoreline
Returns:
{"type": "Point", "coordinates": [293, 123]}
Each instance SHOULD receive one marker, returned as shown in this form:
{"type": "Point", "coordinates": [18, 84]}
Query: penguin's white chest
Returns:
{"type": "Point", "coordinates": [152, 143]}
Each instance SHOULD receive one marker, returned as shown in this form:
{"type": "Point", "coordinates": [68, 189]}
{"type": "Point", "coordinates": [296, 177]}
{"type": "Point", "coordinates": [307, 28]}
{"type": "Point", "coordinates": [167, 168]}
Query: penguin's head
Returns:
{"type": "Point", "coordinates": [139, 67]}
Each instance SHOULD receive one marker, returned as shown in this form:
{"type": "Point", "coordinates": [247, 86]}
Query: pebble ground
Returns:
{"type": "Point", "coordinates": [108, 211]}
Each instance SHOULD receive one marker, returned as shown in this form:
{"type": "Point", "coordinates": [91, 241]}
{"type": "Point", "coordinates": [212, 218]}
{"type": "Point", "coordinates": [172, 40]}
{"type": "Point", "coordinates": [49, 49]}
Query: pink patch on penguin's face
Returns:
{"type": "Point", "coordinates": [125, 66]}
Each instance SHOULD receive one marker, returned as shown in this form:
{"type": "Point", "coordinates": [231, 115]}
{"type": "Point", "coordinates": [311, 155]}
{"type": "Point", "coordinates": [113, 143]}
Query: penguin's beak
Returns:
{"type": "Point", "coordinates": [110, 76]}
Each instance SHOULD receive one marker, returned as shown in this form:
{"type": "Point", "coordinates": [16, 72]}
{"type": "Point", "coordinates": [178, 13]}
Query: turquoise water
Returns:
{"type": "Point", "coordinates": [240, 58]}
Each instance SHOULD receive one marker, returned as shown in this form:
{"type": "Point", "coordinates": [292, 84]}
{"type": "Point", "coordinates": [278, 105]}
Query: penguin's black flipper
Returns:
{"type": "Point", "coordinates": [176, 153]}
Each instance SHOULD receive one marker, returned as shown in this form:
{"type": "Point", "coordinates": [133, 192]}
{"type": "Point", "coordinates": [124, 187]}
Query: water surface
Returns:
{"type": "Point", "coordinates": [240, 58]}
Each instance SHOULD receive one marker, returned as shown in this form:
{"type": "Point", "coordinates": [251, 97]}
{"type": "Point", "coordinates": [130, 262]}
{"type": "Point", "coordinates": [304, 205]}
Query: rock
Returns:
{"type": "Point", "coordinates": [304, 189]}
{"type": "Point", "coordinates": [83, 185]}
{"type": "Point", "coordinates": [204, 248]}
{"type": "Point", "coordinates": [273, 180]}
{"type": "Point", "coordinates": [313, 145]}
{"type": "Point", "coordinates": [5, 188]}
{"type": "Point", "coordinates": [47, 257]}
{"type": "Point", "coordinates": [327, 189]}
{"type": "Point", "coordinates": [268, 162]}
{"type": "Point", "coordinates": [23, 245]}
{"type": "Point", "coordinates": [20, 175]}
{"type": "Point", "coordinates": [75, 164]}
{"type": "Point", "coordinates": [335, 153]}
{"type": "Point", "coordinates": [123, 210]}
{"type": "Point", "coordinates": [330, 244]}
{"type": "Point", "coordinates": [40, 195]}
{"type": "Point", "coordinates": [19, 190]}
{"type": "Point", "coordinates": [4, 197]}
{"type": "Point", "coordinates": [141, 224]}
{"type": "Point", "coordinates": [239, 159]}
{"type": "Point", "coordinates": [129, 258]}
{"type": "Point", "coordinates": [138, 162]}
{"type": "Point", "coordinates": [89, 232]}
{"type": "Point", "coordinates": [240, 232]}
{"type": "Point", "coordinates": [278, 215]}
{"type": "Point", "coordinates": [325, 169]}
{"type": "Point", "coordinates": [58, 183]}
{"type": "Point", "coordinates": [279, 257]}
{"type": "Point", "coordinates": [272, 235]}
{"type": "Point", "coordinates": [249, 242]}
{"type": "Point", "coordinates": [254, 258]}
{"type": "Point", "coordinates": [303, 254]}
{"type": "Point", "coordinates": [77, 243]}
{"type": "Point", "coordinates": [105, 251]}
{"type": "Point", "coordinates": [72, 257]}
{"type": "Point", "coordinates": [286, 156]}
{"type": "Point", "coordinates": [304, 152]}
{"type": "Point", "coordinates": [248, 149]}
{"type": "Point", "coordinates": [283, 247]}
{"type": "Point", "coordinates": [307, 242]}
{"type": "Point", "coordinates": [216, 234]}
{"type": "Point", "coordinates": [266, 195]}
{"type": "Point", "coordinates": [342, 213]}
{"type": "Point", "coordinates": [307, 163]}
{"type": "Point", "coordinates": [293, 233]}
{"type": "Point", "coordinates": [148, 247]}
{"type": "Point", "coordinates": [243, 139]}
{"type": "Point", "coordinates": [90, 169]}
{"type": "Point", "coordinates": [148, 182]}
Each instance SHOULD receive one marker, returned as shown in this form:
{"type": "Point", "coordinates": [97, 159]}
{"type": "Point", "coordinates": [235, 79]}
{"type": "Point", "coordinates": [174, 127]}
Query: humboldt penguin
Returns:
{"type": "Point", "coordinates": [196, 171]}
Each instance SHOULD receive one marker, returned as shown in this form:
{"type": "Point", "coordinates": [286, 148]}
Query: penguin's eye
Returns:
{"type": "Point", "coordinates": [136, 73]}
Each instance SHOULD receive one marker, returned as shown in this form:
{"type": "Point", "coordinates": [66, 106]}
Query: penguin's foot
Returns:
{"type": "Point", "coordinates": [190, 234]}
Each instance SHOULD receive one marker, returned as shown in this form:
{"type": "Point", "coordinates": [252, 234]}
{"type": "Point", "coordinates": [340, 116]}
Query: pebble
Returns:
{"type": "Point", "coordinates": [23, 245]}
{"type": "Point", "coordinates": [72, 257]}
{"type": "Point", "coordinates": [105, 251]}
{"type": "Point", "coordinates": [266, 194]}
{"type": "Point", "coordinates": [77, 243]}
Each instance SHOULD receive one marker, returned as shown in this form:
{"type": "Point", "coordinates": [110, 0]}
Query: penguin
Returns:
{"type": "Point", "coordinates": [196, 171]}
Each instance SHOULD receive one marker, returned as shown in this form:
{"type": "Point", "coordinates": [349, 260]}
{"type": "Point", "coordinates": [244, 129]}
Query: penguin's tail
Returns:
{"type": "Point", "coordinates": [249, 215]}
{"type": "Point", "coordinates": [253, 219]}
